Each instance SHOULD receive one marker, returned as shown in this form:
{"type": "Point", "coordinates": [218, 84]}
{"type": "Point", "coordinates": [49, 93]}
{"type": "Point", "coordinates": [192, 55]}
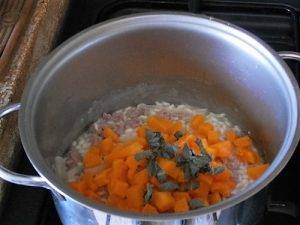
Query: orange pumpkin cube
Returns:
{"type": "Point", "coordinates": [79, 186]}
{"type": "Point", "coordinates": [214, 198]}
{"type": "Point", "coordinates": [119, 170]}
{"type": "Point", "coordinates": [206, 178]}
{"type": "Point", "coordinates": [118, 188]}
{"type": "Point", "coordinates": [163, 201]}
{"type": "Point", "coordinates": [255, 172]}
{"type": "Point", "coordinates": [149, 209]}
{"type": "Point", "coordinates": [135, 197]}
{"type": "Point", "coordinates": [141, 177]}
{"type": "Point", "coordinates": [196, 121]}
{"type": "Point", "coordinates": [102, 178]}
{"type": "Point", "coordinates": [213, 137]}
{"type": "Point", "coordinates": [109, 133]}
{"type": "Point", "coordinates": [92, 157]}
{"type": "Point", "coordinates": [230, 135]}
{"type": "Point", "coordinates": [224, 176]}
{"type": "Point", "coordinates": [179, 195]}
{"type": "Point", "coordinates": [106, 146]}
{"type": "Point", "coordinates": [201, 192]}
{"type": "Point", "coordinates": [204, 129]}
{"type": "Point", "coordinates": [223, 149]}
{"type": "Point", "coordinates": [181, 205]}
{"type": "Point", "coordinates": [243, 142]}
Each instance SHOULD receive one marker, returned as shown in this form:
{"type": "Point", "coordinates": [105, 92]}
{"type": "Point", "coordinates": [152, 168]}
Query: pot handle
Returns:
{"type": "Point", "coordinates": [289, 55]}
{"type": "Point", "coordinates": [13, 177]}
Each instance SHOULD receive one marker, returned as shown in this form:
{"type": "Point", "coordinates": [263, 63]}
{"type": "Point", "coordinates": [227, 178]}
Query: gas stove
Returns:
{"type": "Point", "coordinates": [276, 22]}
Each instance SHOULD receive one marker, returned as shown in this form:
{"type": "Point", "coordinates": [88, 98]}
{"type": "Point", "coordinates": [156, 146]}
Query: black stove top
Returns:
{"type": "Point", "coordinates": [274, 21]}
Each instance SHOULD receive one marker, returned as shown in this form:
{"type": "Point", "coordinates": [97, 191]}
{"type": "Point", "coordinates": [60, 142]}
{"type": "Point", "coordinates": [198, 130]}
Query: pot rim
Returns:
{"type": "Point", "coordinates": [102, 30]}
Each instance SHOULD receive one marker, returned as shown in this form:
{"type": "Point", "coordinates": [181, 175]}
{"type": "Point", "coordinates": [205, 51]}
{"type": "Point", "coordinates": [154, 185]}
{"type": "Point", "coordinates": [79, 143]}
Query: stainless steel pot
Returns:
{"type": "Point", "coordinates": [179, 58]}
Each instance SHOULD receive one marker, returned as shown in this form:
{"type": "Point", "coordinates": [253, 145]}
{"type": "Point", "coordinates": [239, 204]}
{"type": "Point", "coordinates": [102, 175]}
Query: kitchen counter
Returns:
{"type": "Point", "coordinates": [28, 31]}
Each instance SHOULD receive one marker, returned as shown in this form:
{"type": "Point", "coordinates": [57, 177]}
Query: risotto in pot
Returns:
{"type": "Point", "coordinates": [161, 158]}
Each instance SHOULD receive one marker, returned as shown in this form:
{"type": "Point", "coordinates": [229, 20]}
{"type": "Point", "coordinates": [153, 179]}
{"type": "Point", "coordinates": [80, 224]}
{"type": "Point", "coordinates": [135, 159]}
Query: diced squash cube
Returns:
{"type": "Point", "coordinates": [206, 178]}
{"type": "Point", "coordinates": [92, 157]}
{"type": "Point", "coordinates": [149, 209]}
{"type": "Point", "coordinates": [180, 195]}
{"type": "Point", "coordinates": [223, 149]}
{"type": "Point", "coordinates": [224, 176]}
{"type": "Point", "coordinates": [223, 187]}
{"type": "Point", "coordinates": [119, 170]}
{"type": "Point", "coordinates": [141, 132]}
{"type": "Point", "coordinates": [79, 186]}
{"type": "Point", "coordinates": [154, 181]}
{"type": "Point", "coordinates": [201, 192]}
{"type": "Point", "coordinates": [106, 146]}
{"type": "Point", "coordinates": [129, 150]}
{"type": "Point", "coordinates": [135, 197]}
{"type": "Point", "coordinates": [196, 121]}
{"type": "Point", "coordinates": [102, 178]}
{"type": "Point", "coordinates": [109, 133]}
{"type": "Point", "coordinates": [243, 142]}
{"type": "Point", "coordinates": [213, 137]}
{"type": "Point", "coordinates": [141, 177]}
{"type": "Point", "coordinates": [247, 156]}
{"type": "Point", "coordinates": [163, 201]}
{"type": "Point", "coordinates": [214, 198]}
{"type": "Point", "coordinates": [230, 135]}
{"type": "Point", "coordinates": [204, 129]}
{"type": "Point", "coordinates": [255, 172]}
{"type": "Point", "coordinates": [118, 188]}
{"type": "Point", "coordinates": [169, 166]}
{"type": "Point", "coordinates": [181, 205]}
{"type": "Point", "coordinates": [163, 125]}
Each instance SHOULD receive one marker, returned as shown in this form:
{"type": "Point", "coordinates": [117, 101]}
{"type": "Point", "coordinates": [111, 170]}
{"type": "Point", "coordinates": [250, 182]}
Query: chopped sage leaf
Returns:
{"type": "Point", "coordinates": [178, 134]}
{"type": "Point", "coordinates": [194, 170]}
{"type": "Point", "coordinates": [217, 170]}
{"type": "Point", "coordinates": [143, 155]}
{"type": "Point", "coordinates": [194, 185]}
{"type": "Point", "coordinates": [168, 151]}
{"type": "Point", "coordinates": [196, 203]}
{"type": "Point", "coordinates": [161, 175]}
{"type": "Point", "coordinates": [168, 186]}
{"type": "Point", "coordinates": [187, 172]}
{"type": "Point", "coordinates": [187, 152]}
{"type": "Point", "coordinates": [148, 194]}
{"type": "Point", "coordinates": [180, 160]}
{"type": "Point", "coordinates": [152, 167]}
{"type": "Point", "coordinates": [203, 150]}
{"type": "Point", "coordinates": [155, 139]}
{"type": "Point", "coordinates": [170, 148]}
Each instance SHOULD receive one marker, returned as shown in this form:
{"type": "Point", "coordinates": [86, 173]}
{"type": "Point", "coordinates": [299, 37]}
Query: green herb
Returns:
{"type": "Point", "coordinates": [178, 134]}
{"type": "Point", "coordinates": [203, 150]}
{"type": "Point", "coordinates": [193, 185]}
{"type": "Point", "coordinates": [143, 155]}
{"type": "Point", "coordinates": [148, 194]}
{"type": "Point", "coordinates": [168, 151]}
{"type": "Point", "coordinates": [192, 164]}
{"type": "Point", "coordinates": [190, 186]}
{"type": "Point", "coordinates": [180, 160]}
{"type": "Point", "coordinates": [161, 175]}
{"type": "Point", "coordinates": [169, 186]}
{"type": "Point", "coordinates": [155, 139]}
{"type": "Point", "coordinates": [152, 167]}
{"type": "Point", "coordinates": [196, 203]}
{"type": "Point", "coordinates": [187, 152]}
{"type": "Point", "coordinates": [217, 170]}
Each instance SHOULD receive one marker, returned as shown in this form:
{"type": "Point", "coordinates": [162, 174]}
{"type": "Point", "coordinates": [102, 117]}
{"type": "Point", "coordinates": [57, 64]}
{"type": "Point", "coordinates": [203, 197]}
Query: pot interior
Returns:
{"type": "Point", "coordinates": [177, 59]}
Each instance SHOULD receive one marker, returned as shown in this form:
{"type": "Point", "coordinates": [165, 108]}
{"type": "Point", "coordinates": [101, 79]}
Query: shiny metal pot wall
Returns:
{"type": "Point", "coordinates": [178, 58]}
